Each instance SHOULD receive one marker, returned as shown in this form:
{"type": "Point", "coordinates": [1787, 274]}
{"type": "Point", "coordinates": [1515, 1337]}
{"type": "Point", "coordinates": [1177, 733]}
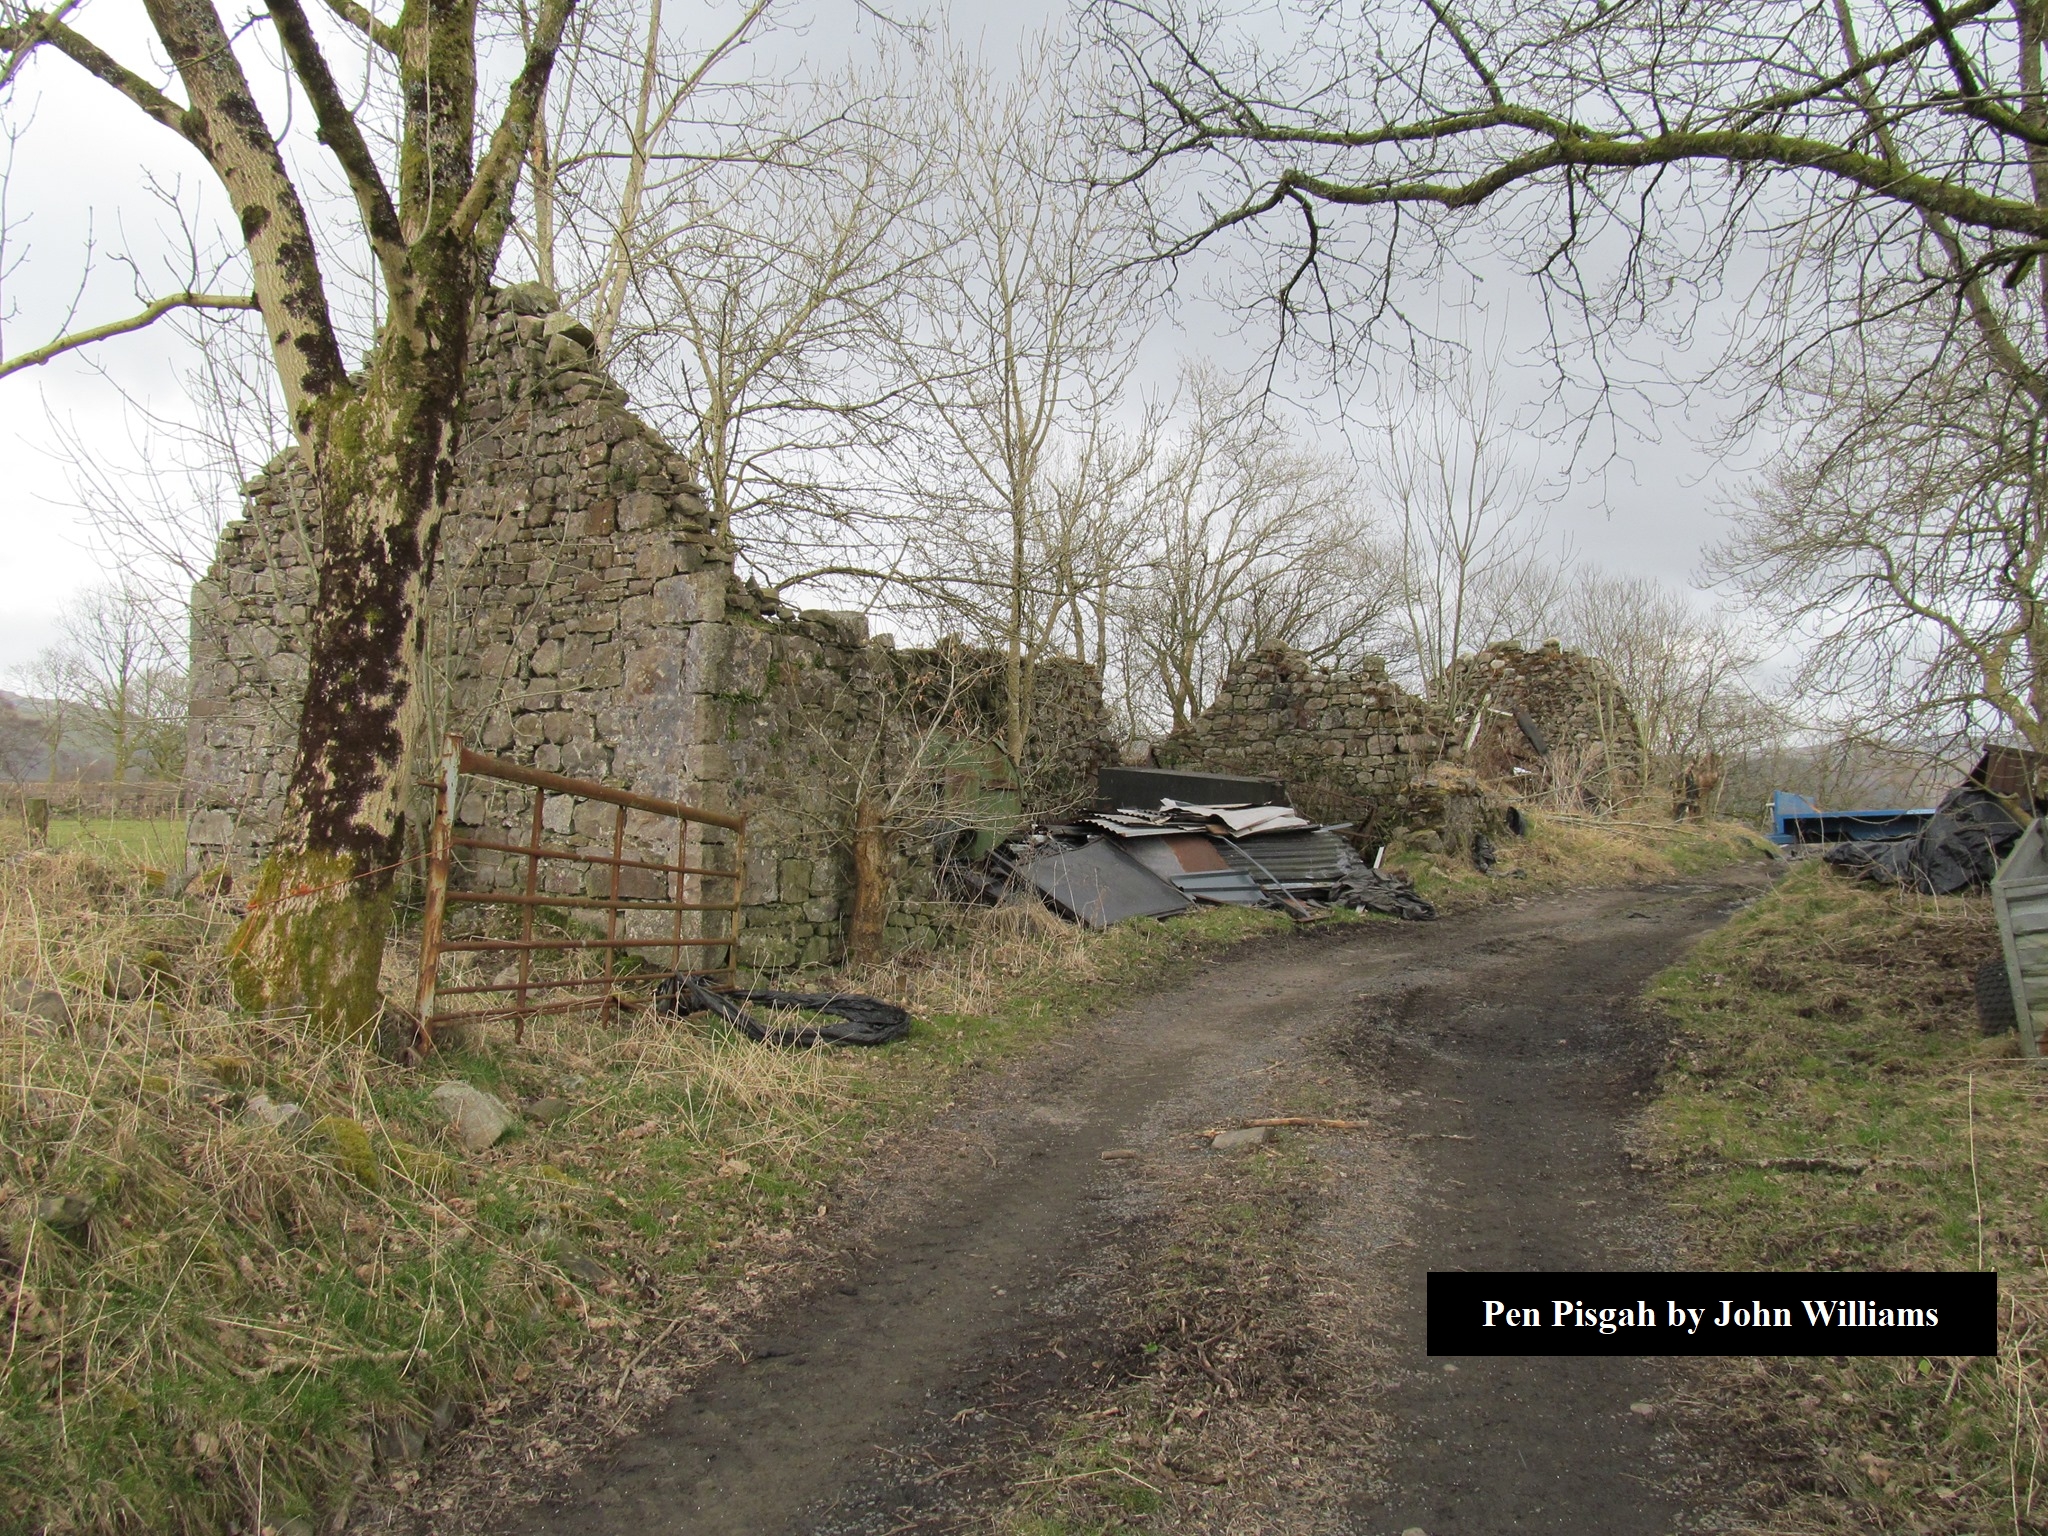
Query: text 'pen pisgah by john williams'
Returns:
{"type": "Point", "coordinates": [1704, 1313]}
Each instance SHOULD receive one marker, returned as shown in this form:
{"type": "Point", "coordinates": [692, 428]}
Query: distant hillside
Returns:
{"type": "Point", "coordinates": [24, 754]}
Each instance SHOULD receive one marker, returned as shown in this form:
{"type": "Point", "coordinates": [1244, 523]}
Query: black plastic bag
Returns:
{"type": "Point", "coordinates": [863, 1020]}
{"type": "Point", "coordinates": [1958, 850]}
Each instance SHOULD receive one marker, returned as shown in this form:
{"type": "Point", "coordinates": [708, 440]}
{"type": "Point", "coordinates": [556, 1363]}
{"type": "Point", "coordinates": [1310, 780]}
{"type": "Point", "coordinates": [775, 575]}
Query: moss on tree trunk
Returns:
{"type": "Point", "coordinates": [314, 941]}
{"type": "Point", "coordinates": [382, 458]}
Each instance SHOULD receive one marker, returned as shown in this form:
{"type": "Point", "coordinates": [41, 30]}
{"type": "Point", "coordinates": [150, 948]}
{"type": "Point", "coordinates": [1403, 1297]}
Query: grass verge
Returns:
{"type": "Point", "coordinates": [1831, 1105]}
{"type": "Point", "coordinates": [217, 1323]}
{"type": "Point", "coordinates": [1560, 852]}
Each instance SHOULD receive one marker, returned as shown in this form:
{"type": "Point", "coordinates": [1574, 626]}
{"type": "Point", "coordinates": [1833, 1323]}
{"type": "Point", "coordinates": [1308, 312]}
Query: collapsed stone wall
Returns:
{"type": "Point", "coordinates": [1555, 714]}
{"type": "Point", "coordinates": [1356, 747]}
{"type": "Point", "coordinates": [585, 619]}
{"type": "Point", "coordinates": [1349, 746]}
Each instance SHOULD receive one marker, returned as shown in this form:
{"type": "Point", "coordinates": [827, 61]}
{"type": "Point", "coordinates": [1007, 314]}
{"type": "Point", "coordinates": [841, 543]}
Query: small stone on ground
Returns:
{"type": "Point", "coordinates": [43, 1003]}
{"type": "Point", "coordinates": [477, 1118]}
{"type": "Point", "coordinates": [286, 1119]}
{"type": "Point", "coordinates": [1250, 1136]}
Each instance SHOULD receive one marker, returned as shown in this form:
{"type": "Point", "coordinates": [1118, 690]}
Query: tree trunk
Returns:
{"type": "Point", "coordinates": [864, 927]}
{"type": "Point", "coordinates": [382, 461]}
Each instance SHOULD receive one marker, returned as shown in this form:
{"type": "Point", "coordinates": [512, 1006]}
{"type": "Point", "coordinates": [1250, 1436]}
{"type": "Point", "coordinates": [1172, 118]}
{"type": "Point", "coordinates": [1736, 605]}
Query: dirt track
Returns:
{"type": "Point", "coordinates": [983, 1300]}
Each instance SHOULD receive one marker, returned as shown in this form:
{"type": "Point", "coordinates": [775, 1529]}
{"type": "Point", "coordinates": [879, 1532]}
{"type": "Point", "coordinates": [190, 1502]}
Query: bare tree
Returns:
{"type": "Point", "coordinates": [1902, 536]}
{"type": "Point", "coordinates": [767, 307]}
{"type": "Point", "coordinates": [1026, 337]}
{"type": "Point", "coordinates": [1688, 675]}
{"type": "Point", "coordinates": [1252, 541]}
{"type": "Point", "coordinates": [378, 443]}
{"type": "Point", "coordinates": [1881, 164]}
{"type": "Point", "coordinates": [48, 676]}
{"type": "Point", "coordinates": [116, 676]}
{"type": "Point", "coordinates": [19, 745]}
{"type": "Point", "coordinates": [636, 107]}
{"type": "Point", "coordinates": [1472, 570]}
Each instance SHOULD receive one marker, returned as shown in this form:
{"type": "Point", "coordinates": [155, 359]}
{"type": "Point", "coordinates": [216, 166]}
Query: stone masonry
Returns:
{"type": "Point", "coordinates": [1356, 747]}
{"type": "Point", "coordinates": [1349, 746]}
{"type": "Point", "coordinates": [1584, 728]}
{"type": "Point", "coordinates": [585, 619]}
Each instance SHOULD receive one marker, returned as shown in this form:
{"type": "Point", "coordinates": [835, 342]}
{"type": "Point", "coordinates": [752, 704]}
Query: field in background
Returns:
{"type": "Point", "coordinates": [157, 844]}
{"type": "Point", "coordinates": [212, 1316]}
{"type": "Point", "coordinates": [1832, 1105]}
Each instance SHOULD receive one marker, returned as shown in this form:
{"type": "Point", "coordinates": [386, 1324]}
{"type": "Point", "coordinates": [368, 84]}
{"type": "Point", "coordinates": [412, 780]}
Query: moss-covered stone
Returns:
{"type": "Point", "coordinates": [345, 1141]}
{"type": "Point", "coordinates": [419, 1165]}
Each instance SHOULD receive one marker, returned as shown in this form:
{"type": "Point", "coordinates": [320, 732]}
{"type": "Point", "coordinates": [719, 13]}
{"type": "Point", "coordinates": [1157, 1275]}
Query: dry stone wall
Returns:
{"type": "Point", "coordinates": [1349, 746]}
{"type": "Point", "coordinates": [585, 619]}
{"type": "Point", "coordinates": [1356, 747]}
{"type": "Point", "coordinates": [1585, 730]}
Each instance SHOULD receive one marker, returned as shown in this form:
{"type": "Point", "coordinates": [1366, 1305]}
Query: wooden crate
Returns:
{"type": "Point", "coordinates": [2020, 897]}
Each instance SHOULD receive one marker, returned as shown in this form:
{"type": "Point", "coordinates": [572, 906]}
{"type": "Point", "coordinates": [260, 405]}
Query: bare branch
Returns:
{"type": "Point", "coordinates": [340, 132]}
{"type": "Point", "coordinates": [155, 312]}
{"type": "Point", "coordinates": [487, 206]}
{"type": "Point", "coordinates": [49, 30]}
{"type": "Point", "coordinates": [383, 34]}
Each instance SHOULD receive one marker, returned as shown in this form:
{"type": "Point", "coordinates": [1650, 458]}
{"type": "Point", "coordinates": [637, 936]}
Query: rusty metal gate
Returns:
{"type": "Point", "coordinates": [600, 896]}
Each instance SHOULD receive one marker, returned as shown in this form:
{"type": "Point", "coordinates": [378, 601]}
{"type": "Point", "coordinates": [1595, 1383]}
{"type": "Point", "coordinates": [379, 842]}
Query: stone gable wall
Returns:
{"type": "Point", "coordinates": [585, 619]}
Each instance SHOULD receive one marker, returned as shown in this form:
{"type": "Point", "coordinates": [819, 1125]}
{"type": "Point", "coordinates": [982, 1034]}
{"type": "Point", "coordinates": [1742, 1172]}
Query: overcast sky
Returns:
{"type": "Point", "coordinates": [81, 178]}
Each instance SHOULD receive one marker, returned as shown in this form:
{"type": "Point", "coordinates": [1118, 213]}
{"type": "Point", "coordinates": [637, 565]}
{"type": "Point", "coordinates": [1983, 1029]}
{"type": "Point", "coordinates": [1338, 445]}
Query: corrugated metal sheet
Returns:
{"type": "Point", "coordinates": [1229, 887]}
{"type": "Point", "coordinates": [1296, 860]}
{"type": "Point", "coordinates": [1099, 884]}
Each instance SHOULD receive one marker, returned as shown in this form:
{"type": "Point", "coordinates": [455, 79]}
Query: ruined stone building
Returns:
{"type": "Point", "coordinates": [585, 619]}
{"type": "Point", "coordinates": [1356, 747]}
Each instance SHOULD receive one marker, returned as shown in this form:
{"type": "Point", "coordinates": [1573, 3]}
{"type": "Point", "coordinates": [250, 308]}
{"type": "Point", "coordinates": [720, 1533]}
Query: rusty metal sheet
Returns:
{"type": "Point", "coordinates": [1293, 861]}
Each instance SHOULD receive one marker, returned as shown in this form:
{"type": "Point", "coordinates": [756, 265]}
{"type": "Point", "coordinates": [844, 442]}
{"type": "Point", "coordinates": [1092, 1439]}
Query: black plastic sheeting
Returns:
{"type": "Point", "coordinates": [1959, 850]}
{"type": "Point", "coordinates": [1376, 890]}
{"type": "Point", "coordinates": [863, 1020]}
{"type": "Point", "coordinates": [1148, 788]}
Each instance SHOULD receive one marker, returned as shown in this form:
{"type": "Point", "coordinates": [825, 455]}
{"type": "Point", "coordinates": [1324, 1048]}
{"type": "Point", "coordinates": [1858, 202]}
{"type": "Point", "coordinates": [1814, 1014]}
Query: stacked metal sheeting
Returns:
{"type": "Point", "coordinates": [1156, 860]}
{"type": "Point", "coordinates": [1245, 855]}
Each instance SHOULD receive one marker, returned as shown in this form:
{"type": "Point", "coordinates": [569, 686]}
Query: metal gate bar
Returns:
{"type": "Point", "coordinates": [458, 762]}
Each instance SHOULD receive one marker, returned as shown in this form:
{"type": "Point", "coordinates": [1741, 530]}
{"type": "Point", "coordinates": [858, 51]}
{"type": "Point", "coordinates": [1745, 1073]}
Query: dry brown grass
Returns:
{"type": "Point", "coordinates": [1562, 851]}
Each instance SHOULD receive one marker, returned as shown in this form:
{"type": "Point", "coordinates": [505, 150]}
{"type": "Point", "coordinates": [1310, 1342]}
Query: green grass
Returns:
{"type": "Point", "coordinates": [1834, 1022]}
{"type": "Point", "coordinates": [157, 844]}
